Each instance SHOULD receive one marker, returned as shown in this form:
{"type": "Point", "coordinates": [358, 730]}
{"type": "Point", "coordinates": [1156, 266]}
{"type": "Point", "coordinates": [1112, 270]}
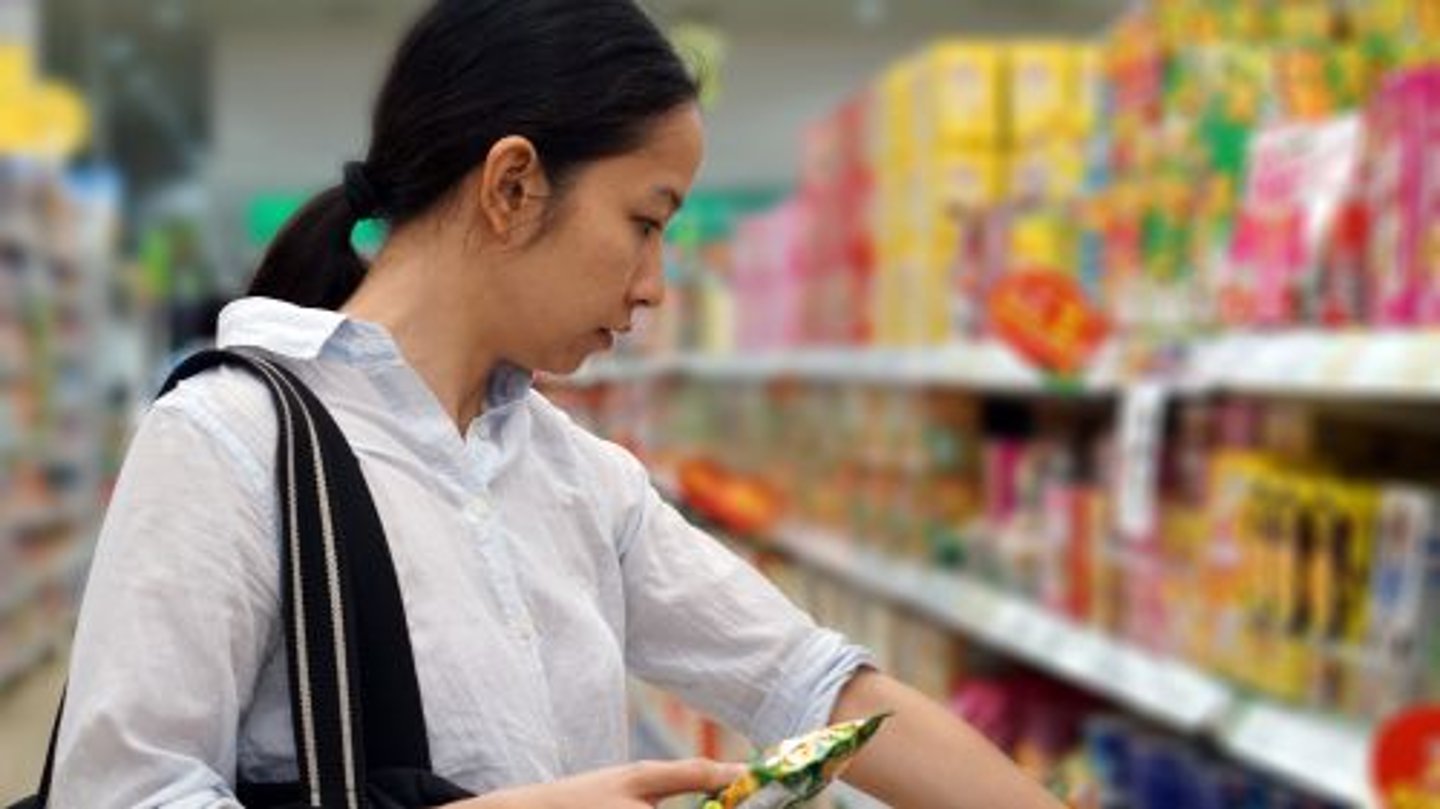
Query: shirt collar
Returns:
{"type": "Point", "coordinates": [278, 327]}
{"type": "Point", "coordinates": [304, 333]}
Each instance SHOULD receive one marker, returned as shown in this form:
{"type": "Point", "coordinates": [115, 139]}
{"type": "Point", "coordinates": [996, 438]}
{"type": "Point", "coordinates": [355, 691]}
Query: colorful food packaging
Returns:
{"type": "Point", "coordinates": [797, 769]}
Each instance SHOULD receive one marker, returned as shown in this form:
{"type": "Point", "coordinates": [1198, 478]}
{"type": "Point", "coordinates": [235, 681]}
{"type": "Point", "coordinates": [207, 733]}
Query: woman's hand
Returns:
{"type": "Point", "coordinates": [629, 786]}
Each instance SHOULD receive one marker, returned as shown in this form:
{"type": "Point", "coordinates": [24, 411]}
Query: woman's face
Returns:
{"type": "Point", "coordinates": [597, 258]}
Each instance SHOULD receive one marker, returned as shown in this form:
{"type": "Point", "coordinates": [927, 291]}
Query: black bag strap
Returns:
{"type": "Point", "coordinates": [351, 555]}
{"type": "Point", "coordinates": [354, 705]}
{"type": "Point", "coordinates": [389, 690]}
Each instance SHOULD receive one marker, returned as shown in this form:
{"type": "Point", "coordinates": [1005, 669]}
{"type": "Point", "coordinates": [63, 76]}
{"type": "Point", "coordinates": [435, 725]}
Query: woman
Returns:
{"type": "Point", "coordinates": [526, 156]}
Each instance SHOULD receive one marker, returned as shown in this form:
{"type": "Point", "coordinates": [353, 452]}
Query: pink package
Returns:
{"type": "Point", "coordinates": [770, 270]}
{"type": "Point", "coordinates": [1002, 460]}
{"type": "Point", "coordinates": [1403, 193]}
{"type": "Point", "coordinates": [1427, 218]}
{"type": "Point", "coordinates": [1298, 176]}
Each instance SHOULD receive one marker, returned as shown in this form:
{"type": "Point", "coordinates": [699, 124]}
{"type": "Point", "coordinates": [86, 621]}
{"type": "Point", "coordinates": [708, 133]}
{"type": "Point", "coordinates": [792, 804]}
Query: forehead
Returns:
{"type": "Point", "coordinates": [668, 155]}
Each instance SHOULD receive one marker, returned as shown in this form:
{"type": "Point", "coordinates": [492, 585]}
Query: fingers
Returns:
{"type": "Point", "coordinates": [662, 779]}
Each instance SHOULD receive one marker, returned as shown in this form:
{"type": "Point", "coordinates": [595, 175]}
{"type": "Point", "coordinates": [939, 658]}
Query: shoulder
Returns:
{"type": "Point", "coordinates": [228, 407]}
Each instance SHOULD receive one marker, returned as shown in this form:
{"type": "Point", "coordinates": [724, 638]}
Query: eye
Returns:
{"type": "Point", "coordinates": [648, 227]}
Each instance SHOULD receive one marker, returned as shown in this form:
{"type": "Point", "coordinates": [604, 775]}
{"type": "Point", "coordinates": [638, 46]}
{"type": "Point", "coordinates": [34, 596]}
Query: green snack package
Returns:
{"type": "Point", "coordinates": [798, 769]}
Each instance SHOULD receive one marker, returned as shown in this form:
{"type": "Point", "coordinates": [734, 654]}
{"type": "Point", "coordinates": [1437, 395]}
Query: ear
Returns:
{"type": "Point", "coordinates": [510, 188]}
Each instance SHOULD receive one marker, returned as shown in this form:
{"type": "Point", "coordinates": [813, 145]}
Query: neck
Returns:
{"type": "Point", "coordinates": [442, 336]}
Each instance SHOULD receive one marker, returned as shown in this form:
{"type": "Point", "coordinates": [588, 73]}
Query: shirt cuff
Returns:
{"type": "Point", "coordinates": [809, 684]}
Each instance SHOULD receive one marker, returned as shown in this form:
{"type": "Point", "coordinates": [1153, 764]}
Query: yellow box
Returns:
{"type": "Point", "coordinates": [933, 307]}
{"type": "Point", "coordinates": [1361, 507]}
{"type": "Point", "coordinates": [943, 247]}
{"type": "Point", "coordinates": [1052, 172]}
{"type": "Point", "coordinates": [1299, 20]}
{"type": "Point", "coordinates": [881, 308]}
{"type": "Point", "coordinates": [17, 70]}
{"type": "Point", "coordinates": [967, 179]}
{"type": "Point", "coordinates": [910, 302]}
{"type": "Point", "coordinates": [963, 87]}
{"type": "Point", "coordinates": [896, 110]}
{"type": "Point", "coordinates": [1041, 239]}
{"type": "Point", "coordinates": [1384, 18]}
{"type": "Point", "coordinates": [1041, 89]}
{"type": "Point", "coordinates": [1427, 18]}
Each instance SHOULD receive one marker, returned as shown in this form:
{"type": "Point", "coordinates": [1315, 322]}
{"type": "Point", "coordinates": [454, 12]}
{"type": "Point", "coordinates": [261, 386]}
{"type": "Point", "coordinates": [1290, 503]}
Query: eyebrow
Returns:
{"type": "Point", "coordinates": [672, 196]}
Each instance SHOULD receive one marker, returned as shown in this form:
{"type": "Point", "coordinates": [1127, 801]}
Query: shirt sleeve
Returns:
{"type": "Point", "coordinates": [709, 627]}
{"type": "Point", "coordinates": [180, 610]}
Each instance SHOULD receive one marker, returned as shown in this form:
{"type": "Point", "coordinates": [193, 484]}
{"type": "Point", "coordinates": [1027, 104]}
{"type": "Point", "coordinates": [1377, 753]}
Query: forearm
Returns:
{"type": "Point", "coordinates": [926, 758]}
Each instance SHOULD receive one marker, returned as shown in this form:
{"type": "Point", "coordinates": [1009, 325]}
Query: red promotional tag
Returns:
{"type": "Point", "coordinates": [1406, 761]}
{"type": "Point", "coordinates": [1046, 316]}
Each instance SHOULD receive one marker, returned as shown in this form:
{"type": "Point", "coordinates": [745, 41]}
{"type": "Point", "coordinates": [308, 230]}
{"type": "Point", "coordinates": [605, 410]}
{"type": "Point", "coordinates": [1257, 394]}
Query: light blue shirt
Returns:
{"type": "Point", "coordinates": [538, 567]}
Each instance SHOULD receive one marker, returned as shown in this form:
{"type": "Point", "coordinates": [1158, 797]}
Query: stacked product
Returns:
{"type": "Point", "coordinates": [1205, 166]}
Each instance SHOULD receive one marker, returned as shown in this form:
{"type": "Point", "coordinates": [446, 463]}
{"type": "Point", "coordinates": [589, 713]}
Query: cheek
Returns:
{"type": "Point", "coordinates": [609, 252]}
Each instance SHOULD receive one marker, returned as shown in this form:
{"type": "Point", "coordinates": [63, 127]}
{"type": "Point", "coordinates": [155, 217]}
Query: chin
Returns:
{"type": "Point", "coordinates": [565, 364]}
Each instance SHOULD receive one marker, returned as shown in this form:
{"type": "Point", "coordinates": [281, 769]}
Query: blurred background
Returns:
{"type": "Point", "coordinates": [1078, 356]}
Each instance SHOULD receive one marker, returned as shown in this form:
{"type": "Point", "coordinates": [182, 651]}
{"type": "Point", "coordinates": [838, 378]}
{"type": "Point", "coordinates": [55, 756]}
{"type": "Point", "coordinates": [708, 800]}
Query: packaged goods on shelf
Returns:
{"type": "Point", "coordinates": [1144, 163]}
{"type": "Point", "coordinates": [1400, 198]}
{"type": "Point", "coordinates": [57, 227]}
{"type": "Point", "coordinates": [1300, 177]}
{"type": "Point", "coordinates": [961, 92]}
{"type": "Point", "coordinates": [1274, 565]}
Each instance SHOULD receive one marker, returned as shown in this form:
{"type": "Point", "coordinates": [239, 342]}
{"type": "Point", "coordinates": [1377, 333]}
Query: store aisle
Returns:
{"type": "Point", "coordinates": [26, 710]}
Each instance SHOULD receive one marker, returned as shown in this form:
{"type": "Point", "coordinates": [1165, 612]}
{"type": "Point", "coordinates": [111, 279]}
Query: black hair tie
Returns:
{"type": "Point", "coordinates": [359, 193]}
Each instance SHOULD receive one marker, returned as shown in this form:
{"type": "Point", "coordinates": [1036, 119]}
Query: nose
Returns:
{"type": "Point", "coordinates": [648, 288]}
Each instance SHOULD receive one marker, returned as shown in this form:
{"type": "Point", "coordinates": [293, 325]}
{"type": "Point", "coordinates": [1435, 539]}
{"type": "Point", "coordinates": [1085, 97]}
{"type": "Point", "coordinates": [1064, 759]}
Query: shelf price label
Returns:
{"type": "Point", "coordinates": [1142, 421]}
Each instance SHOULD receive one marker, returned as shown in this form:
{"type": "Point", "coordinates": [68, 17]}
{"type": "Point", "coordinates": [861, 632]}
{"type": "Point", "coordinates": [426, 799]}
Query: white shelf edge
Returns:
{"type": "Point", "coordinates": [1339, 365]}
{"type": "Point", "coordinates": [988, 365]}
{"type": "Point", "coordinates": [1328, 756]}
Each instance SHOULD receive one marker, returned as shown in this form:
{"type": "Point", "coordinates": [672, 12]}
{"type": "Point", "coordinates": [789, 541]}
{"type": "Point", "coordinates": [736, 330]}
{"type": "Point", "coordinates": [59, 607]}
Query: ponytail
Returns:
{"type": "Point", "coordinates": [312, 261]}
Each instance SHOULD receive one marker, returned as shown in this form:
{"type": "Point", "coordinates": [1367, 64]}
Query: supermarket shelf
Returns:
{"type": "Point", "coordinates": [1359, 365]}
{"type": "Point", "coordinates": [28, 659]}
{"type": "Point", "coordinates": [36, 518]}
{"type": "Point", "coordinates": [1169, 692]}
{"type": "Point", "coordinates": [1321, 753]}
{"type": "Point", "coordinates": [69, 564]}
{"type": "Point", "coordinates": [1329, 756]}
{"type": "Point", "coordinates": [988, 365]}
{"type": "Point", "coordinates": [1346, 365]}
{"type": "Point", "coordinates": [611, 368]}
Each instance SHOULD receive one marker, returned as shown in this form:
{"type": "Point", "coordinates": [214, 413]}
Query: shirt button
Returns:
{"type": "Point", "coordinates": [480, 507]}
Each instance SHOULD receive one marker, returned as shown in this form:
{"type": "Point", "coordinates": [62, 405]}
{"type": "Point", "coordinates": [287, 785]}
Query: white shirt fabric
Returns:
{"type": "Point", "coordinates": [537, 564]}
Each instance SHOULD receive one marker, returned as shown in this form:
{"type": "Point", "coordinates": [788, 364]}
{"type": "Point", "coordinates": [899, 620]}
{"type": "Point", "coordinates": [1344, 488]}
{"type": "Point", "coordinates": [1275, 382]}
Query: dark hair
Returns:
{"type": "Point", "coordinates": [581, 79]}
